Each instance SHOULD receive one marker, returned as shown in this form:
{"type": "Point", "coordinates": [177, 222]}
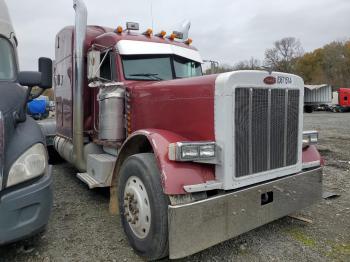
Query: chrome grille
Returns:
{"type": "Point", "coordinates": [266, 129]}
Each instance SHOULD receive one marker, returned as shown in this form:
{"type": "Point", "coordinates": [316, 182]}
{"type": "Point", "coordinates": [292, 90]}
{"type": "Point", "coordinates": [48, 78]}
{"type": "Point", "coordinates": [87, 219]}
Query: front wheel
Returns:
{"type": "Point", "coordinates": [143, 206]}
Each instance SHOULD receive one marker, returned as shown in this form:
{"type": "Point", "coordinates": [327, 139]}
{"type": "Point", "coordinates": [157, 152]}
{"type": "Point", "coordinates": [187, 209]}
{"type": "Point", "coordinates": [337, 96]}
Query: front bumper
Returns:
{"type": "Point", "coordinates": [26, 211]}
{"type": "Point", "coordinates": [196, 226]}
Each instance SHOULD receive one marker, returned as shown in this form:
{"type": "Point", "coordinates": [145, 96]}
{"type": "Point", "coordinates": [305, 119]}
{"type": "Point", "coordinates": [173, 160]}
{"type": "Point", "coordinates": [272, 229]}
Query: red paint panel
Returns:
{"type": "Point", "coordinates": [311, 154]}
{"type": "Point", "coordinates": [64, 82]}
{"type": "Point", "coordinates": [184, 107]}
{"type": "Point", "coordinates": [344, 97]}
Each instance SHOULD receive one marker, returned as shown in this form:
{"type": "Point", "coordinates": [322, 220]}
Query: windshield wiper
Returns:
{"type": "Point", "coordinates": [149, 75]}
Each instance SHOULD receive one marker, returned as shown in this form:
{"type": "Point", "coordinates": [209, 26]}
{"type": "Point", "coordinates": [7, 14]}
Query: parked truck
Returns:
{"type": "Point", "coordinates": [190, 160]}
{"type": "Point", "coordinates": [316, 97]}
{"type": "Point", "coordinates": [341, 100]}
{"type": "Point", "coordinates": [25, 177]}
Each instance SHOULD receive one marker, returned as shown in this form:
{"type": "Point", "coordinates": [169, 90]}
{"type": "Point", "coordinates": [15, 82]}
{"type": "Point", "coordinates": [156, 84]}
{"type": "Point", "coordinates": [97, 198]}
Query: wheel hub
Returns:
{"type": "Point", "coordinates": [137, 207]}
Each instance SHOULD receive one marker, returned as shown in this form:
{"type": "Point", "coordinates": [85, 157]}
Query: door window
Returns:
{"type": "Point", "coordinates": [7, 62]}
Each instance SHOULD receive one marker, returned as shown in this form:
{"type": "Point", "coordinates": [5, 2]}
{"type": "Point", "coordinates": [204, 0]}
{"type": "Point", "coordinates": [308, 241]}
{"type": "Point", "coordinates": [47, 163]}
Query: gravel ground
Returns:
{"type": "Point", "coordinates": [81, 229]}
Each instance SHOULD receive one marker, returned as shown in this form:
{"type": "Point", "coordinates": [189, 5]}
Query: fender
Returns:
{"type": "Point", "coordinates": [310, 155]}
{"type": "Point", "coordinates": [174, 175]}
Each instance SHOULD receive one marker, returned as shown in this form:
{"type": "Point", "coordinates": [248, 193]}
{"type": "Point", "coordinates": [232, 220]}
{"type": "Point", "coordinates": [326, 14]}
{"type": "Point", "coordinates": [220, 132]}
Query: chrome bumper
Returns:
{"type": "Point", "coordinates": [197, 226]}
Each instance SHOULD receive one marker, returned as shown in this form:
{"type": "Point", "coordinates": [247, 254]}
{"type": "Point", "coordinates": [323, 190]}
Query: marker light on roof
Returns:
{"type": "Point", "coordinates": [119, 30]}
{"type": "Point", "coordinates": [148, 32]}
{"type": "Point", "coordinates": [188, 41]}
{"type": "Point", "coordinates": [172, 36]}
{"type": "Point", "coordinates": [162, 34]}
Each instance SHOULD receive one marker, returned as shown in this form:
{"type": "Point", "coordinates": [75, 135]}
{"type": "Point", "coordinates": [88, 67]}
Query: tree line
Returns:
{"type": "Point", "coordinates": [327, 65]}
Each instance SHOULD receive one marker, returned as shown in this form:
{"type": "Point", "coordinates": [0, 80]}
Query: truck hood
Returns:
{"type": "Point", "coordinates": [11, 100]}
{"type": "Point", "coordinates": [18, 137]}
{"type": "Point", "coordinates": [6, 28]}
{"type": "Point", "coordinates": [189, 101]}
{"type": "Point", "coordinates": [12, 97]}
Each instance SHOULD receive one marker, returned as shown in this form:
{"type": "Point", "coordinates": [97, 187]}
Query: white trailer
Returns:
{"type": "Point", "coordinates": [316, 95]}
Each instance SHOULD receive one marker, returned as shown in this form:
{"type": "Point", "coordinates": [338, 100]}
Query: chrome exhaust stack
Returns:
{"type": "Point", "coordinates": [78, 93]}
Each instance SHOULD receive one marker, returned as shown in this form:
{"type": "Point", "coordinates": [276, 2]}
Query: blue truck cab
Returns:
{"type": "Point", "coordinates": [25, 176]}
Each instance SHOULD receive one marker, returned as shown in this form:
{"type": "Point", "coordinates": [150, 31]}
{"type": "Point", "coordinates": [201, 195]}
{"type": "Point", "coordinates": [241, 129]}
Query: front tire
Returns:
{"type": "Point", "coordinates": [143, 206]}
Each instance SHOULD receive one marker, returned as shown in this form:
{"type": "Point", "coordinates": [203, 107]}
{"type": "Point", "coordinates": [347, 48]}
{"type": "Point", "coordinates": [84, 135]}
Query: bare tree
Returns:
{"type": "Point", "coordinates": [218, 69]}
{"type": "Point", "coordinates": [251, 64]}
{"type": "Point", "coordinates": [254, 64]}
{"type": "Point", "coordinates": [283, 55]}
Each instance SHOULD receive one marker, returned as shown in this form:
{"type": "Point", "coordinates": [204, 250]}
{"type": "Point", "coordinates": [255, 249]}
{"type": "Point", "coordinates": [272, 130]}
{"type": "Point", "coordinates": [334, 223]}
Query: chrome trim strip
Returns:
{"type": "Point", "coordinates": [285, 128]}
{"type": "Point", "coordinates": [311, 164]}
{"type": "Point", "coordinates": [250, 131]}
{"type": "Point", "coordinates": [269, 129]}
{"type": "Point", "coordinates": [209, 185]}
{"type": "Point", "coordinates": [78, 92]}
{"type": "Point", "coordinates": [131, 47]}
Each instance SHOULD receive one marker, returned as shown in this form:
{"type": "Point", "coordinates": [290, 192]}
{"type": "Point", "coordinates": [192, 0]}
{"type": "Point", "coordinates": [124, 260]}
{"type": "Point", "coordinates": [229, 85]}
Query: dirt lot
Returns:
{"type": "Point", "coordinates": [81, 229]}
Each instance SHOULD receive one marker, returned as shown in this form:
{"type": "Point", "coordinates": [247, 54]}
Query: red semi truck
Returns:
{"type": "Point", "coordinates": [190, 160]}
{"type": "Point", "coordinates": [341, 100]}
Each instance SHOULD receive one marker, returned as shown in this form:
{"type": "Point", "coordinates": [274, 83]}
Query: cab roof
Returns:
{"type": "Point", "coordinates": [130, 42]}
{"type": "Point", "coordinates": [5, 21]}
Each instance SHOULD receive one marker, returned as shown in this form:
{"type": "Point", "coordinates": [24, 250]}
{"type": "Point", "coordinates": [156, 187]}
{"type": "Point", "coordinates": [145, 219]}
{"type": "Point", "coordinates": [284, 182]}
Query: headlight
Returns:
{"type": "Point", "coordinates": [30, 164]}
{"type": "Point", "coordinates": [310, 138]}
{"type": "Point", "coordinates": [192, 151]}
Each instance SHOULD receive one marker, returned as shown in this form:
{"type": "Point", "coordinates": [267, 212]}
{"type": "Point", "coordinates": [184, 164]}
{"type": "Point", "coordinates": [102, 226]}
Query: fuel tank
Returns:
{"type": "Point", "coordinates": [111, 113]}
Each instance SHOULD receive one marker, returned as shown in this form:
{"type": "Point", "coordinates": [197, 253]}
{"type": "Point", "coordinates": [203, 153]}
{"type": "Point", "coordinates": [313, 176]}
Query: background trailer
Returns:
{"type": "Point", "coordinates": [316, 95]}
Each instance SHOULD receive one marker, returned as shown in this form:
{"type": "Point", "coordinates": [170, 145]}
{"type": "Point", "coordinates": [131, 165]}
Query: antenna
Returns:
{"type": "Point", "coordinates": [151, 6]}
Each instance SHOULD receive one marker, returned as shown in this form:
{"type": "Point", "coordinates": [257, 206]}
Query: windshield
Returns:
{"type": "Point", "coordinates": [159, 67]}
{"type": "Point", "coordinates": [186, 68]}
{"type": "Point", "coordinates": [7, 65]}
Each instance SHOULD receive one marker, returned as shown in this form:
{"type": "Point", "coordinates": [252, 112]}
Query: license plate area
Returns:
{"type": "Point", "coordinates": [266, 198]}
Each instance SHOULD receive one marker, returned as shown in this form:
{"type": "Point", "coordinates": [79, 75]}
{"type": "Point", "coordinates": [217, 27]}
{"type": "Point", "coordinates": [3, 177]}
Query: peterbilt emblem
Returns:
{"type": "Point", "coordinates": [270, 80]}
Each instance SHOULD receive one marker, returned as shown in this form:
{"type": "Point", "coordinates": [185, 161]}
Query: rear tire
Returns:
{"type": "Point", "coordinates": [308, 109]}
{"type": "Point", "coordinates": [143, 206]}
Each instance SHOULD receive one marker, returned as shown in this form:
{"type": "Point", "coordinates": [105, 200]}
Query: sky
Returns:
{"type": "Point", "coordinates": [227, 31]}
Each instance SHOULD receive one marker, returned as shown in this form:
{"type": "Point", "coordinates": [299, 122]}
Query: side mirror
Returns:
{"type": "Point", "coordinates": [42, 79]}
{"type": "Point", "coordinates": [29, 78]}
{"type": "Point", "coordinates": [45, 68]}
